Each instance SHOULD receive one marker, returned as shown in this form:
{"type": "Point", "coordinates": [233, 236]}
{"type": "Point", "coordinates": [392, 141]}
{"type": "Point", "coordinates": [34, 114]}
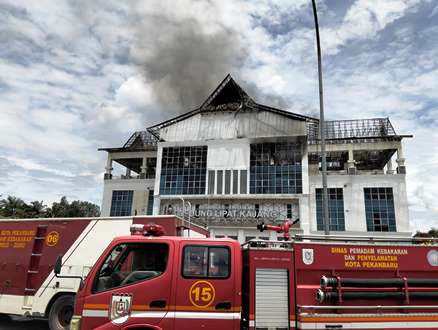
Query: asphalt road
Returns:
{"type": "Point", "coordinates": [18, 323]}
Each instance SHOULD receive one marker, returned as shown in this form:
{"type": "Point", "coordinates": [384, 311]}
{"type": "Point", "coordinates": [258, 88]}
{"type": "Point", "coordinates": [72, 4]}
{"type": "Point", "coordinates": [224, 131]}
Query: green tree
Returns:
{"type": "Point", "coordinates": [14, 207]}
{"type": "Point", "coordinates": [432, 233]}
{"type": "Point", "coordinates": [77, 208]}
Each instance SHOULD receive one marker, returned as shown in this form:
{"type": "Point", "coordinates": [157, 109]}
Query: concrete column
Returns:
{"type": "Point", "coordinates": [304, 170]}
{"type": "Point", "coordinates": [109, 168]}
{"type": "Point", "coordinates": [143, 169]}
{"type": "Point", "coordinates": [401, 168]}
{"type": "Point", "coordinates": [389, 169]}
{"type": "Point", "coordinates": [351, 163]}
{"type": "Point", "coordinates": [241, 236]}
{"type": "Point", "coordinates": [304, 214]}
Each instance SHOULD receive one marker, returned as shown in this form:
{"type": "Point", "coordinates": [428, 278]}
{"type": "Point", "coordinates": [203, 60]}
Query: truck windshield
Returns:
{"type": "Point", "coordinates": [130, 263]}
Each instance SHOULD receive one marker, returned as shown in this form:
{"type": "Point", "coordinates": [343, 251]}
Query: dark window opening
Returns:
{"type": "Point", "coordinates": [275, 168]}
{"type": "Point", "coordinates": [131, 263]}
{"type": "Point", "coordinates": [150, 208]}
{"type": "Point", "coordinates": [206, 262]}
{"type": "Point", "coordinates": [219, 182]}
{"type": "Point", "coordinates": [243, 181]}
{"type": "Point", "coordinates": [235, 181]}
{"type": "Point", "coordinates": [211, 177]}
{"type": "Point", "coordinates": [151, 164]}
{"type": "Point", "coordinates": [227, 182]}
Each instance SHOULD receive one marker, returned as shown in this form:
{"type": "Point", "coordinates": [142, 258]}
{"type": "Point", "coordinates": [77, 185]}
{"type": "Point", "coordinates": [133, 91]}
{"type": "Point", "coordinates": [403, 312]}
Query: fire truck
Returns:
{"type": "Point", "coordinates": [29, 249]}
{"type": "Point", "coordinates": [155, 282]}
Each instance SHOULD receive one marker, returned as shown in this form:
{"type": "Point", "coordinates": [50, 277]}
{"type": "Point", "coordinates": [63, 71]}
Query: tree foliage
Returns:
{"type": "Point", "coordinates": [432, 233]}
{"type": "Point", "coordinates": [14, 207]}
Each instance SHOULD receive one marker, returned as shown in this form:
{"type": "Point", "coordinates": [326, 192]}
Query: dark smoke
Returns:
{"type": "Point", "coordinates": [186, 64]}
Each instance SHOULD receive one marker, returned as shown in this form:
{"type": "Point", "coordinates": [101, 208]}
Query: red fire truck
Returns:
{"type": "Point", "coordinates": [147, 281]}
{"type": "Point", "coordinates": [30, 247]}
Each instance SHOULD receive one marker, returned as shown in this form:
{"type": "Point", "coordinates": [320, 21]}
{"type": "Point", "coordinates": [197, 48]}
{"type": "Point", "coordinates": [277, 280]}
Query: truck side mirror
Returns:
{"type": "Point", "coordinates": [58, 265]}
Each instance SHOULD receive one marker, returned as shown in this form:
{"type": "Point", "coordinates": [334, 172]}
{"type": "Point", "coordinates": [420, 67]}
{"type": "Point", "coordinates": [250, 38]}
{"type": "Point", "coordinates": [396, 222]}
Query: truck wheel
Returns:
{"type": "Point", "coordinates": [61, 313]}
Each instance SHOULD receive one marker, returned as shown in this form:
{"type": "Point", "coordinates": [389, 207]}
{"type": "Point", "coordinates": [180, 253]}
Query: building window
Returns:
{"type": "Point", "coordinates": [336, 209]}
{"type": "Point", "coordinates": [243, 183]}
{"type": "Point", "coordinates": [203, 261]}
{"type": "Point", "coordinates": [379, 209]}
{"type": "Point", "coordinates": [227, 182]}
{"type": "Point", "coordinates": [183, 171]}
{"type": "Point", "coordinates": [235, 181]}
{"type": "Point", "coordinates": [219, 182]}
{"type": "Point", "coordinates": [211, 176]}
{"type": "Point", "coordinates": [275, 168]}
{"type": "Point", "coordinates": [121, 203]}
{"type": "Point", "coordinates": [150, 208]}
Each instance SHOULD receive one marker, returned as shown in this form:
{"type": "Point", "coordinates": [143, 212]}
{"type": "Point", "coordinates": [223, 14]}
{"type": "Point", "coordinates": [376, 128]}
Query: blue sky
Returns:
{"type": "Point", "coordinates": [78, 75]}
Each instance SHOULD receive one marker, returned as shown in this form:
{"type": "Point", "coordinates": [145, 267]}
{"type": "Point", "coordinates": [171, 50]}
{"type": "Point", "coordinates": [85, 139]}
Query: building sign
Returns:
{"type": "Point", "coordinates": [234, 213]}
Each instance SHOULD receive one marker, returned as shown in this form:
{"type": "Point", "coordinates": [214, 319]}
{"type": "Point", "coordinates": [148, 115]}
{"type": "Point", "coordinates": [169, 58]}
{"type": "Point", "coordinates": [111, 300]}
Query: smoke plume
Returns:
{"type": "Point", "coordinates": [184, 59]}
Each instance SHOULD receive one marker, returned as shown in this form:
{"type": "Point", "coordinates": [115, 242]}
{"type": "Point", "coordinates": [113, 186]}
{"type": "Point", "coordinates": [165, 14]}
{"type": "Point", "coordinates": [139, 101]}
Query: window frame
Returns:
{"type": "Point", "coordinates": [96, 275]}
{"type": "Point", "coordinates": [208, 262]}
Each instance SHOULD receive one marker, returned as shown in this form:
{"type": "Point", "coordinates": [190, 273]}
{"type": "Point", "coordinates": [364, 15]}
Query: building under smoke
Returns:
{"type": "Point", "coordinates": [233, 163]}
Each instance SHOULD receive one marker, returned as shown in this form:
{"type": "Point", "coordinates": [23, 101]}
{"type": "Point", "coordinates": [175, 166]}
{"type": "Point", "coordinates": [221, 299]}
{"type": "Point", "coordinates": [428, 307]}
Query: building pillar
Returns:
{"type": "Point", "coordinates": [128, 173]}
{"type": "Point", "coordinates": [351, 163]}
{"type": "Point", "coordinates": [143, 169]}
{"type": "Point", "coordinates": [401, 168]}
{"type": "Point", "coordinates": [109, 168]}
{"type": "Point", "coordinates": [389, 169]}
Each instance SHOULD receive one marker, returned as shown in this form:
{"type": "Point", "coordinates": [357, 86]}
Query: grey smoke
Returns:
{"type": "Point", "coordinates": [185, 65]}
{"type": "Point", "coordinates": [182, 55]}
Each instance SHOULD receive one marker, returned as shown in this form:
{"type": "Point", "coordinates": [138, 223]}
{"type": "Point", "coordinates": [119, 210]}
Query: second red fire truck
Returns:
{"type": "Point", "coordinates": [154, 282]}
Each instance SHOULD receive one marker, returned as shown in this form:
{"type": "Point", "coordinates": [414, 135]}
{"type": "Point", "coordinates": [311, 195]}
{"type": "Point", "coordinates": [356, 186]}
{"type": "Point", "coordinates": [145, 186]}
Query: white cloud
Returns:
{"type": "Point", "coordinates": [72, 78]}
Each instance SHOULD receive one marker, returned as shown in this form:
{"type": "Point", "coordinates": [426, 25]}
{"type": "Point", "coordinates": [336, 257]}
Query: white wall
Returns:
{"type": "Point", "coordinates": [354, 201]}
{"type": "Point", "coordinates": [231, 125]}
{"type": "Point", "coordinates": [140, 197]}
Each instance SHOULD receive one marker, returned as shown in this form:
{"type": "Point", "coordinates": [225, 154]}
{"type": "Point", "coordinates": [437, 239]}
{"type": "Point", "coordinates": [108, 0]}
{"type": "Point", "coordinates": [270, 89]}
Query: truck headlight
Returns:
{"type": "Point", "coordinates": [75, 323]}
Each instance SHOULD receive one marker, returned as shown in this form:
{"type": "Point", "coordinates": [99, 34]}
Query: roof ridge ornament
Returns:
{"type": "Point", "coordinates": [228, 95]}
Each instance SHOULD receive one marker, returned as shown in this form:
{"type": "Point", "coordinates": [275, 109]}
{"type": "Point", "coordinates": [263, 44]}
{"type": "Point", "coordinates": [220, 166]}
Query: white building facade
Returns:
{"type": "Point", "coordinates": [233, 163]}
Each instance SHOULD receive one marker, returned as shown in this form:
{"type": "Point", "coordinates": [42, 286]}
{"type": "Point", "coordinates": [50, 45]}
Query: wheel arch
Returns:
{"type": "Point", "coordinates": [56, 297]}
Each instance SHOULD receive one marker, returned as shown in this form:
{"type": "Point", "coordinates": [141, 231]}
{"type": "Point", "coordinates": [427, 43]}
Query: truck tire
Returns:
{"type": "Point", "coordinates": [61, 313]}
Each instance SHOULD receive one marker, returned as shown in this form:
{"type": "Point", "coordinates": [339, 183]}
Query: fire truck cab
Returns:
{"type": "Point", "coordinates": [150, 282]}
{"type": "Point", "coordinates": [141, 283]}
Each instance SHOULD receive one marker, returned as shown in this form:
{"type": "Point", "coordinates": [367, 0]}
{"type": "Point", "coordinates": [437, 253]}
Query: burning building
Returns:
{"type": "Point", "coordinates": [233, 163]}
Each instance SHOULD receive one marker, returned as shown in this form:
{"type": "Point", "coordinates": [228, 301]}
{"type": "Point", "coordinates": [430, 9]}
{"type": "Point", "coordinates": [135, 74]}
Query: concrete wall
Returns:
{"type": "Point", "coordinates": [140, 197]}
{"type": "Point", "coordinates": [354, 201]}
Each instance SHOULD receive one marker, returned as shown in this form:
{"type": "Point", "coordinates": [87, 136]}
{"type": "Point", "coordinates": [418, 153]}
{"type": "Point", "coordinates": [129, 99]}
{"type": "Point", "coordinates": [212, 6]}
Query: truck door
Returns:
{"type": "Point", "coordinates": [208, 290]}
{"type": "Point", "coordinates": [132, 286]}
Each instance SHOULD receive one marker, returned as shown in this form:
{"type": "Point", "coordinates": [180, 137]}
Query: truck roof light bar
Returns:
{"type": "Point", "coordinates": [150, 229]}
{"type": "Point", "coordinates": [136, 229]}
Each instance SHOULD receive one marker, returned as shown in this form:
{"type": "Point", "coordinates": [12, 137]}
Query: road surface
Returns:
{"type": "Point", "coordinates": [19, 323]}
